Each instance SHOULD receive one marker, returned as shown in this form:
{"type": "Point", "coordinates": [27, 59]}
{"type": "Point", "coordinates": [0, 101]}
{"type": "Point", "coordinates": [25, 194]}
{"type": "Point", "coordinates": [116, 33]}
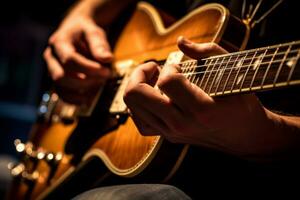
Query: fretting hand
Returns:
{"type": "Point", "coordinates": [186, 114]}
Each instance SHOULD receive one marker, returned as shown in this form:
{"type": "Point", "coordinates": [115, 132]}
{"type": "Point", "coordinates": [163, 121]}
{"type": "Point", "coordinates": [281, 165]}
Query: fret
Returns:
{"type": "Point", "coordinates": [256, 66]}
{"type": "Point", "coordinates": [221, 76]}
{"type": "Point", "coordinates": [247, 70]}
{"type": "Point", "coordinates": [199, 73]}
{"type": "Point", "coordinates": [193, 67]}
{"type": "Point", "coordinates": [268, 82]}
{"type": "Point", "coordinates": [183, 68]}
{"type": "Point", "coordinates": [281, 65]}
{"type": "Point", "coordinates": [268, 68]}
{"type": "Point", "coordinates": [205, 72]}
{"type": "Point", "coordinates": [189, 70]}
{"type": "Point", "coordinates": [229, 74]}
{"type": "Point", "coordinates": [237, 80]}
{"type": "Point", "coordinates": [234, 71]}
{"type": "Point", "coordinates": [217, 74]}
{"type": "Point", "coordinates": [287, 66]}
{"type": "Point", "coordinates": [294, 63]}
{"type": "Point", "coordinates": [210, 74]}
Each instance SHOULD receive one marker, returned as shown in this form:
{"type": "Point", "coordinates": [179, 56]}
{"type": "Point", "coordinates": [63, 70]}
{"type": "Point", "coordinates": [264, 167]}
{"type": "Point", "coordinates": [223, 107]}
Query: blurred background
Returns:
{"type": "Point", "coordinates": [24, 29]}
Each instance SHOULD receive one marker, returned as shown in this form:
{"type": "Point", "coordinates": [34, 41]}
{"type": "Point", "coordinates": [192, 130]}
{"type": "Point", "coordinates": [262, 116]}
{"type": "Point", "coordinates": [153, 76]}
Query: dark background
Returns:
{"type": "Point", "coordinates": [24, 30]}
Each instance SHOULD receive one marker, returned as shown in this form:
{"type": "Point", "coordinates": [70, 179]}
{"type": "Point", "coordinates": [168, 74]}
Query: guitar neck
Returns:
{"type": "Point", "coordinates": [251, 70]}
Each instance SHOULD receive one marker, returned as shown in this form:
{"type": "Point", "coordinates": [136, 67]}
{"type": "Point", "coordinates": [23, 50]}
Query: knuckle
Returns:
{"type": "Point", "coordinates": [130, 93]}
{"type": "Point", "coordinates": [95, 31]}
{"type": "Point", "coordinates": [52, 39]}
{"type": "Point", "coordinates": [151, 63]}
{"type": "Point", "coordinates": [57, 75]}
{"type": "Point", "coordinates": [67, 58]}
{"type": "Point", "coordinates": [166, 80]}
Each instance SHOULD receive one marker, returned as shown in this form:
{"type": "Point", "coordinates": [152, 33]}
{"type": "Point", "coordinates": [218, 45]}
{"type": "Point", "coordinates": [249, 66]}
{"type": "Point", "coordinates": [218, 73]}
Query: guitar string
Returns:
{"type": "Point", "coordinates": [246, 59]}
{"type": "Point", "coordinates": [233, 62]}
{"type": "Point", "coordinates": [273, 47]}
{"type": "Point", "coordinates": [258, 49]}
{"type": "Point", "coordinates": [244, 66]}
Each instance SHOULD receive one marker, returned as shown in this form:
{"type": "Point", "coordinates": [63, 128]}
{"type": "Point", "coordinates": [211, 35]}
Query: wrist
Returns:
{"type": "Point", "coordinates": [279, 138]}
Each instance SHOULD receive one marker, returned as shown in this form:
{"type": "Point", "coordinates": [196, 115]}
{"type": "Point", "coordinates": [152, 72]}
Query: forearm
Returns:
{"type": "Point", "coordinates": [102, 11]}
{"type": "Point", "coordinates": [284, 136]}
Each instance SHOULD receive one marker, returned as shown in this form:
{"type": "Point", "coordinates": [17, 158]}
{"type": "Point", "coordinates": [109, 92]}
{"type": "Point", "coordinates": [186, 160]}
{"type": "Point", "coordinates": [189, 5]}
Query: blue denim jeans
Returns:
{"type": "Point", "coordinates": [134, 192]}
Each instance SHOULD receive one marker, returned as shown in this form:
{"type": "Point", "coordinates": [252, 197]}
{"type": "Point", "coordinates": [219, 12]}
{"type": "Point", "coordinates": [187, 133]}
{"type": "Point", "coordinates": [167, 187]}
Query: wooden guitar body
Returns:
{"type": "Point", "coordinates": [120, 154]}
{"type": "Point", "coordinates": [145, 38]}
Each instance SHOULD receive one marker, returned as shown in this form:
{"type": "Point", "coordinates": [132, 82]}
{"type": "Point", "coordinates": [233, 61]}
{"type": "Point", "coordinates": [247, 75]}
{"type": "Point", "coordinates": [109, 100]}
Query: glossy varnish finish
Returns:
{"type": "Point", "coordinates": [124, 151]}
{"type": "Point", "coordinates": [144, 38]}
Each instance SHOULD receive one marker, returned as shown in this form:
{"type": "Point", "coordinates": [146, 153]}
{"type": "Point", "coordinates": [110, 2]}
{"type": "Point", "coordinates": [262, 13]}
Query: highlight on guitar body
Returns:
{"type": "Point", "coordinates": [73, 148]}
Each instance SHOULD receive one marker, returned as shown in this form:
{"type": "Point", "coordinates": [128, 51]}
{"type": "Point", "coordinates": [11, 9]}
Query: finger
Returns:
{"type": "Point", "coordinates": [98, 45]}
{"type": "Point", "coordinates": [181, 92]}
{"type": "Point", "coordinates": [74, 61]}
{"type": "Point", "coordinates": [146, 73]}
{"type": "Point", "coordinates": [147, 124]}
{"type": "Point", "coordinates": [199, 51]}
{"type": "Point", "coordinates": [55, 69]}
{"type": "Point", "coordinates": [151, 101]}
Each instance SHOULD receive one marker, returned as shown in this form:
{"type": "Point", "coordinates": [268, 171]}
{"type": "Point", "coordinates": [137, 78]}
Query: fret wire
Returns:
{"type": "Point", "coordinates": [198, 77]}
{"type": "Point", "coordinates": [186, 69]}
{"type": "Point", "coordinates": [203, 77]}
{"type": "Point", "coordinates": [263, 63]}
{"type": "Point", "coordinates": [281, 64]}
{"type": "Point", "coordinates": [194, 69]}
{"type": "Point", "coordinates": [268, 68]}
{"type": "Point", "coordinates": [224, 88]}
{"type": "Point", "coordinates": [216, 74]}
{"type": "Point", "coordinates": [257, 68]}
{"type": "Point", "coordinates": [223, 72]}
{"type": "Point", "coordinates": [183, 68]}
{"type": "Point", "coordinates": [210, 75]}
{"type": "Point", "coordinates": [189, 69]}
{"type": "Point", "coordinates": [293, 68]}
{"type": "Point", "coordinates": [239, 69]}
{"type": "Point", "coordinates": [262, 49]}
{"type": "Point", "coordinates": [269, 55]}
{"type": "Point", "coordinates": [246, 73]}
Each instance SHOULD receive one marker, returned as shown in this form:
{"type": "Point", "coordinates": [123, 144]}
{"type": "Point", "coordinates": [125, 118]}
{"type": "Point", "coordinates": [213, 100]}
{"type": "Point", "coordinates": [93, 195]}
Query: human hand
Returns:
{"type": "Point", "coordinates": [77, 58]}
{"type": "Point", "coordinates": [186, 114]}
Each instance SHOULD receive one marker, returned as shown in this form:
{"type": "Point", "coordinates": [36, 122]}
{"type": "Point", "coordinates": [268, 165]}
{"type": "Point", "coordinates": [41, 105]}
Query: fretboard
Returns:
{"type": "Point", "coordinates": [251, 70]}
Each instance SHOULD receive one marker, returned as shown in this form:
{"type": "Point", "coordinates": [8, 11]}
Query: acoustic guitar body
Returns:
{"type": "Point", "coordinates": [119, 153]}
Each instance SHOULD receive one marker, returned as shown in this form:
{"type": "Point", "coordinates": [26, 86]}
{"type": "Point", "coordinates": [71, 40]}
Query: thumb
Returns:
{"type": "Point", "coordinates": [198, 51]}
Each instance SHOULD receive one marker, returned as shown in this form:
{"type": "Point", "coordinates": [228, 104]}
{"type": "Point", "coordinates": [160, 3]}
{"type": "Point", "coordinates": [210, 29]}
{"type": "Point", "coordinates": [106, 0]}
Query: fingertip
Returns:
{"type": "Point", "coordinates": [179, 39]}
{"type": "Point", "coordinates": [184, 41]}
{"type": "Point", "coordinates": [103, 55]}
{"type": "Point", "coordinates": [57, 74]}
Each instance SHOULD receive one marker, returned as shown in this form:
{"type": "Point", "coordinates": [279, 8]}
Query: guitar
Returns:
{"type": "Point", "coordinates": [72, 148]}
